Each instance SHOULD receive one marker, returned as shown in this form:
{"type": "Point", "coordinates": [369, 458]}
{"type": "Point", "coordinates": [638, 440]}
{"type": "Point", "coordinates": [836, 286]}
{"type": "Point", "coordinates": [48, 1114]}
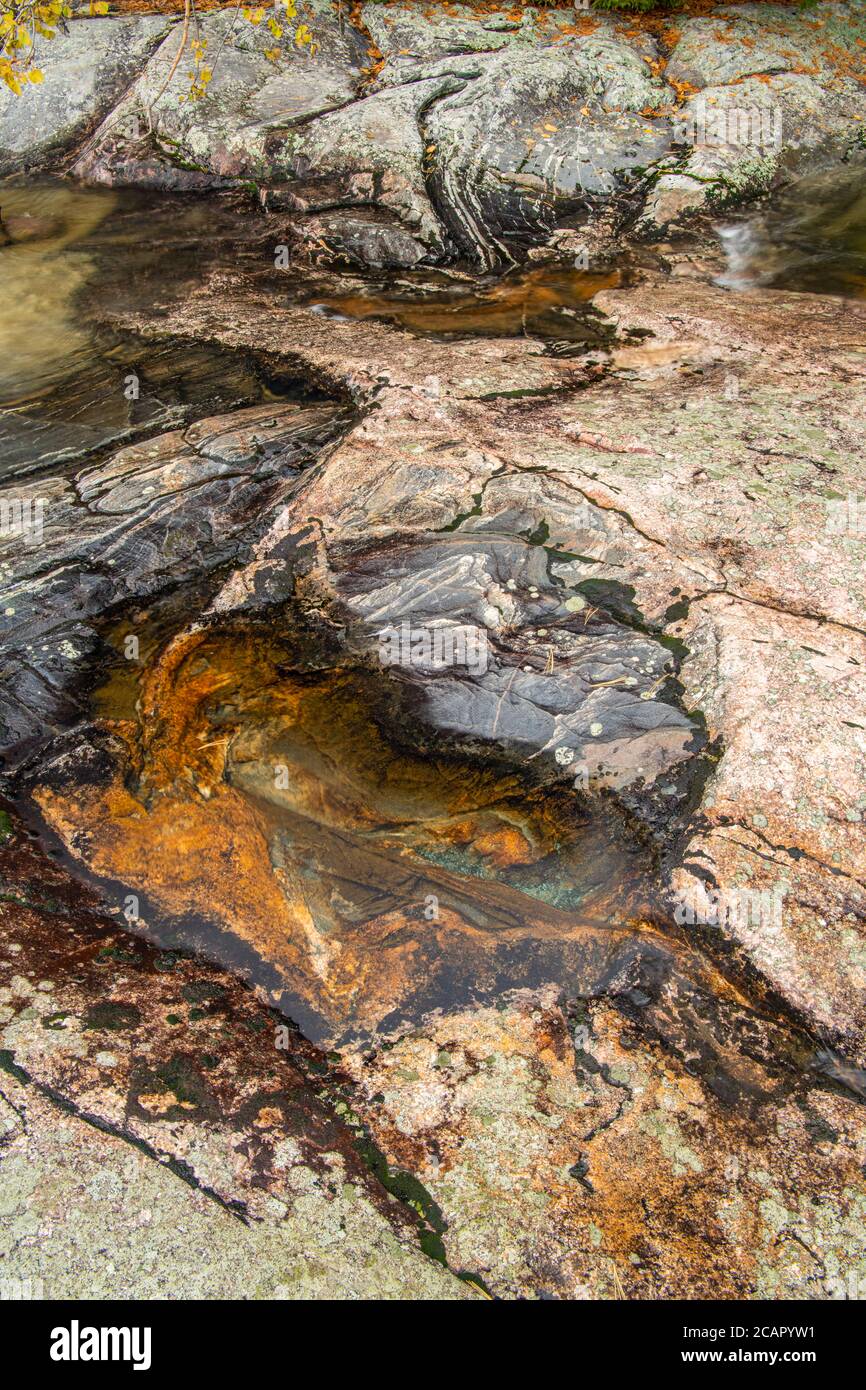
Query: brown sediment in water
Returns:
{"type": "Point", "coordinates": [528, 301]}
{"type": "Point", "coordinates": [193, 1049]}
{"type": "Point", "coordinates": [279, 817]}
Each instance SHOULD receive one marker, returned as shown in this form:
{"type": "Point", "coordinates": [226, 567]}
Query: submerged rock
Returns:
{"type": "Point", "coordinates": [200, 1149]}
{"type": "Point", "coordinates": [685, 489]}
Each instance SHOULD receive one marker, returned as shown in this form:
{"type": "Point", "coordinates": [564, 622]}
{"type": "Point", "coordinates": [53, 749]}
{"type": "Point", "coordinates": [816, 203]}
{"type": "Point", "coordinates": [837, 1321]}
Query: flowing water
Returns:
{"type": "Point", "coordinates": [45, 266]}
{"type": "Point", "coordinates": [810, 237]}
{"type": "Point", "coordinates": [69, 387]}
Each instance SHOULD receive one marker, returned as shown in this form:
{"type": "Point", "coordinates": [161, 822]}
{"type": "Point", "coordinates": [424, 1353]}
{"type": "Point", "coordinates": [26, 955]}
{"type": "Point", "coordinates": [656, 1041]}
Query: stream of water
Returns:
{"type": "Point", "coordinates": [809, 237]}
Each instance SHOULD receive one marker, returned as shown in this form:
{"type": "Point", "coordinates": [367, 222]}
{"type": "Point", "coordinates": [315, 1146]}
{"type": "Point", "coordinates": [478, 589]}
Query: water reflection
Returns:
{"type": "Point", "coordinates": [43, 268]}
{"type": "Point", "coordinates": [70, 386]}
{"type": "Point", "coordinates": [283, 823]}
{"type": "Point", "coordinates": [549, 301]}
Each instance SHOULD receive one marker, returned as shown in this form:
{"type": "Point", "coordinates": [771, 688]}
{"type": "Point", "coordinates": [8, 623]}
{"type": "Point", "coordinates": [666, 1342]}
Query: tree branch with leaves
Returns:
{"type": "Point", "coordinates": [25, 24]}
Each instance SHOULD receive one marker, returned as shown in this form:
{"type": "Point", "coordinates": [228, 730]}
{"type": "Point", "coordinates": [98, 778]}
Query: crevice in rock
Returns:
{"type": "Point", "coordinates": [792, 612]}
{"type": "Point", "coordinates": [792, 851]}
{"type": "Point", "coordinates": [179, 1167]}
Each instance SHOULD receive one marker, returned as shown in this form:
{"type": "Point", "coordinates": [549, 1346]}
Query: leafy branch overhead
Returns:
{"type": "Point", "coordinates": [26, 24]}
{"type": "Point", "coordinates": [23, 23]}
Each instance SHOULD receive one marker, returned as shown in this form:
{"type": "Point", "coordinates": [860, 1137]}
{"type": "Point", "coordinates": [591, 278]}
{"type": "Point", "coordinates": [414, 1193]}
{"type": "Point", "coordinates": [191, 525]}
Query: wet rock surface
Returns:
{"type": "Point", "coordinates": [137, 1157]}
{"type": "Point", "coordinates": [582, 904]}
{"type": "Point", "coordinates": [477, 135]}
{"type": "Point", "coordinates": [569, 1160]}
{"type": "Point", "coordinates": [476, 465]}
{"type": "Point", "coordinates": [131, 528]}
{"type": "Point", "coordinates": [669, 541]}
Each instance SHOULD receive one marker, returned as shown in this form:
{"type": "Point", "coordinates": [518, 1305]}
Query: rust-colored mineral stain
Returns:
{"type": "Point", "coordinates": [530, 302]}
{"type": "Point", "coordinates": [277, 814]}
{"type": "Point", "coordinates": [192, 856]}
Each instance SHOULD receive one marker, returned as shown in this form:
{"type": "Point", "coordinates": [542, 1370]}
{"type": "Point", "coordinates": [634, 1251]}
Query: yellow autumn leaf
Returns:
{"type": "Point", "coordinates": [275, 28]}
{"type": "Point", "coordinates": [98, 7]}
{"type": "Point", "coordinates": [35, 75]}
{"type": "Point", "coordinates": [303, 35]}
